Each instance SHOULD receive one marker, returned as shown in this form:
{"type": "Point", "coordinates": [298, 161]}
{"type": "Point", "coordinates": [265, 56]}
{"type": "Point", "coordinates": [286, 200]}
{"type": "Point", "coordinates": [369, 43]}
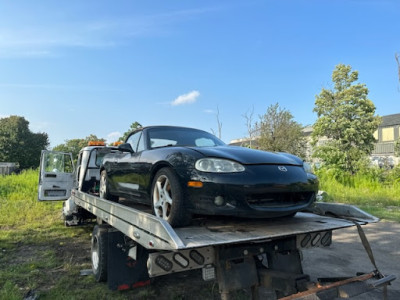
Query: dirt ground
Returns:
{"type": "Point", "coordinates": [346, 256]}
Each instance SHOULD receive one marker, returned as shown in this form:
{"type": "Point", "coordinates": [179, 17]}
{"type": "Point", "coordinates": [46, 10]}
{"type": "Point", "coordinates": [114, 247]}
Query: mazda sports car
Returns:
{"type": "Point", "coordinates": [183, 171]}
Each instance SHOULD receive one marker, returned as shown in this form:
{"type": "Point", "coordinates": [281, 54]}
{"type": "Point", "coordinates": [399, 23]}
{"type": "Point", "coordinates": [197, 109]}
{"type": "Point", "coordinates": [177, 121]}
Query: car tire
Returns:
{"type": "Point", "coordinates": [99, 249]}
{"type": "Point", "coordinates": [104, 189]}
{"type": "Point", "coordinates": [168, 198]}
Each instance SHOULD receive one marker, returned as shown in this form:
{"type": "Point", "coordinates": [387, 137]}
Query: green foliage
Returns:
{"type": "Point", "coordinates": [279, 132]}
{"type": "Point", "coordinates": [19, 144]}
{"type": "Point", "coordinates": [373, 186]}
{"type": "Point", "coordinates": [134, 126]}
{"type": "Point", "coordinates": [346, 118]}
{"type": "Point", "coordinates": [75, 145]}
{"type": "Point", "coordinates": [397, 148]}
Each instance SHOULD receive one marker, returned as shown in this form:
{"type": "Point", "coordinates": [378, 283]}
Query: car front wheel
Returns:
{"type": "Point", "coordinates": [168, 198]}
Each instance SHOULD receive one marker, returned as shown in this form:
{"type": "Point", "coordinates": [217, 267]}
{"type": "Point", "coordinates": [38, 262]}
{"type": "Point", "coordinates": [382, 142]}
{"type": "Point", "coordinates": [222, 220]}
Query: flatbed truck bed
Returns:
{"type": "Point", "coordinates": [155, 233]}
{"type": "Point", "coordinates": [239, 253]}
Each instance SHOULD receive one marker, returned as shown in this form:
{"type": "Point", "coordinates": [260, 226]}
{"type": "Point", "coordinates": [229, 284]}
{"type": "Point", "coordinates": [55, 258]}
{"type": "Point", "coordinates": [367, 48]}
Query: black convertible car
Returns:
{"type": "Point", "coordinates": [184, 171]}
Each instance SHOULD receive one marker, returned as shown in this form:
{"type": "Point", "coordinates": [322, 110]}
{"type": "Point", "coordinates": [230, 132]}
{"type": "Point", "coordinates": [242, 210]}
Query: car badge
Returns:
{"type": "Point", "coordinates": [281, 168]}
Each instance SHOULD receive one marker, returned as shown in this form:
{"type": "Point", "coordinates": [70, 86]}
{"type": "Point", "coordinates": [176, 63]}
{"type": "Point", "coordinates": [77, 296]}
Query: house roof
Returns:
{"type": "Point", "coordinates": [390, 120]}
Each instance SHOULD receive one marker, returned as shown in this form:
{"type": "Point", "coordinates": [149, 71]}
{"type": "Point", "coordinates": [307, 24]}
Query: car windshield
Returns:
{"type": "Point", "coordinates": [177, 136]}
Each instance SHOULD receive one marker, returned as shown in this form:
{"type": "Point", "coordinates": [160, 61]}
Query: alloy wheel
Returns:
{"type": "Point", "coordinates": [162, 197]}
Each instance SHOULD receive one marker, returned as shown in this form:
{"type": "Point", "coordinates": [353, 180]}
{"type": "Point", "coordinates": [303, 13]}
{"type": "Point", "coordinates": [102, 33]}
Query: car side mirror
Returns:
{"type": "Point", "coordinates": [126, 147]}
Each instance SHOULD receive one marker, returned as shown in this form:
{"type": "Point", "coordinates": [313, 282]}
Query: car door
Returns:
{"type": "Point", "coordinates": [56, 177]}
{"type": "Point", "coordinates": [128, 167]}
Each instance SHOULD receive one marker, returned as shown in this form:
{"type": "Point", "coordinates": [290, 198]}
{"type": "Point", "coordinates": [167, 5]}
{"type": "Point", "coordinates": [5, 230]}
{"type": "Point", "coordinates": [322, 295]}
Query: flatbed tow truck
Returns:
{"type": "Point", "coordinates": [130, 245]}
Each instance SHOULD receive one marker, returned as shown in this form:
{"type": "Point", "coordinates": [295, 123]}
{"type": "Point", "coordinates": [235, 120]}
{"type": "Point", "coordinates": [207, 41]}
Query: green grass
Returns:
{"type": "Point", "coordinates": [376, 193]}
{"type": "Point", "coordinates": [25, 226]}
{"type": "Point", "coordinates": [22, 217]}
{"type": "Point", "coordinates": [19, 205]}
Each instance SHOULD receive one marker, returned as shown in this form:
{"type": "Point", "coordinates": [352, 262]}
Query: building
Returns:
{"type": "Point", "coordinates": [386, 135]}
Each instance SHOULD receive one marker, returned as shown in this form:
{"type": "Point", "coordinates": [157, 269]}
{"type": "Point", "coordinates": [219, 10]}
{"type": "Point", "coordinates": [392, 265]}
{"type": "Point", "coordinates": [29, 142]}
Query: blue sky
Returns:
{"type": "Point", "coordinates": [74, 68]}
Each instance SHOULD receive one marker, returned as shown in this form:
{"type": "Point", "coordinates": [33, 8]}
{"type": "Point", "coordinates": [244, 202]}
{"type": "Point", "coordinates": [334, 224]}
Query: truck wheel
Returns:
{"type": "Point", "coordinates": [104, 189]}
{"type": "Point", "coordinates": [99, 253]}
{"type": "Point", "coordinates": [168, 198]}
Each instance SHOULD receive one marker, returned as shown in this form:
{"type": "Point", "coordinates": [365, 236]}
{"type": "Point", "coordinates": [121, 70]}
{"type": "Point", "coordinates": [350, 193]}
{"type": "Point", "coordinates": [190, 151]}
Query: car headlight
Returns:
{"type": "Point", "coordinates": [216, 165]}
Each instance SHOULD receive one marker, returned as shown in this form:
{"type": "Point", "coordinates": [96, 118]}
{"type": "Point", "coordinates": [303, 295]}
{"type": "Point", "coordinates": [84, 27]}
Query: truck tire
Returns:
{"type": "Point", "coordinates": [168, 198]}
{"type": "Point", "coordinates": [99, 251]}
{"type": "Point", "coordinates": [104, 189]}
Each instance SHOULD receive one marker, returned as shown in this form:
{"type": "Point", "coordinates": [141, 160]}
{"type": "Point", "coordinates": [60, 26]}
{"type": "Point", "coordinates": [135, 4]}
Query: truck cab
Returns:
{"type": "Point", "coordinates": [59, 175]}
{"type": "Point", "coordinates": [88, 165]}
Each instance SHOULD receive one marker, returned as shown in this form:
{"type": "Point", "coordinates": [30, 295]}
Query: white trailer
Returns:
{"type": "Point", "coordinates": [130, 245]}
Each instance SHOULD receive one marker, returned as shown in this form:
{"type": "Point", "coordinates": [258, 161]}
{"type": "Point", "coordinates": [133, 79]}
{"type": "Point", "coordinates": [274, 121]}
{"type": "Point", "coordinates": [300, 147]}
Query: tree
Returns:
{"type": "Point", "coordinates": [219, 125]}
{"type": "Point", "coordinates": [346, 120]}
{"type": "Point", "coordinates": [250, 126]}
{"type": "Point", "coordinates": [75, 145]}
{"type": "Point", "coordinates": [279, 132]}
{"type": "Point", "coordinates": [19, 144]}
{"type": "Point", "coordinates": [134, 126]}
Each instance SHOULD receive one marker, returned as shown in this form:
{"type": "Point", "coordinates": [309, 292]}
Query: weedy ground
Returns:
{"type": "Point", "coordinates": [376, 191]}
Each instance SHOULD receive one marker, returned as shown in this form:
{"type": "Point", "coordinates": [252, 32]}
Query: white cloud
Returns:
{"type": "Point", "coordinates": [113, 136]}
{"type": "Point", "coordinates": [186, 98]}
{"type": "Point", "coordinates": [209, 111]}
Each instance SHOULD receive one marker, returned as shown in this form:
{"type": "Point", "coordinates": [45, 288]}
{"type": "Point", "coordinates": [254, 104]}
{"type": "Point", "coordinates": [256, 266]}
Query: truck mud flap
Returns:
{"type": "Point", "coordinates": [124, 272]}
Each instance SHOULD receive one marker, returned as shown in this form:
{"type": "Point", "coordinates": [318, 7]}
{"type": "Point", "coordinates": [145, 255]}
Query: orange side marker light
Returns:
{"type": "Point", "coordinates": [195, 184]}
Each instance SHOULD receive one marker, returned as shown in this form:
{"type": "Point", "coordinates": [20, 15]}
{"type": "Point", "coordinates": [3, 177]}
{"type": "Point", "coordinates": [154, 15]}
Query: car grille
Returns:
{"type": "Point", "coordinates": [279, 199]}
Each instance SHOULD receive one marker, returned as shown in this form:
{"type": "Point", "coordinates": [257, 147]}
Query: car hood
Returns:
{"type": "Point", "coordinates": [248, 156]}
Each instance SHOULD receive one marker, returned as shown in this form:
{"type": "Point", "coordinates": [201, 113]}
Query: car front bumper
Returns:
{"type": "Point", "coordinates": [260, 192]}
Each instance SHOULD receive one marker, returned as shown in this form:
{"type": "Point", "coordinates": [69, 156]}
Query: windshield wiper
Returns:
{"type": "Point", "coordinates": [164, 146]}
